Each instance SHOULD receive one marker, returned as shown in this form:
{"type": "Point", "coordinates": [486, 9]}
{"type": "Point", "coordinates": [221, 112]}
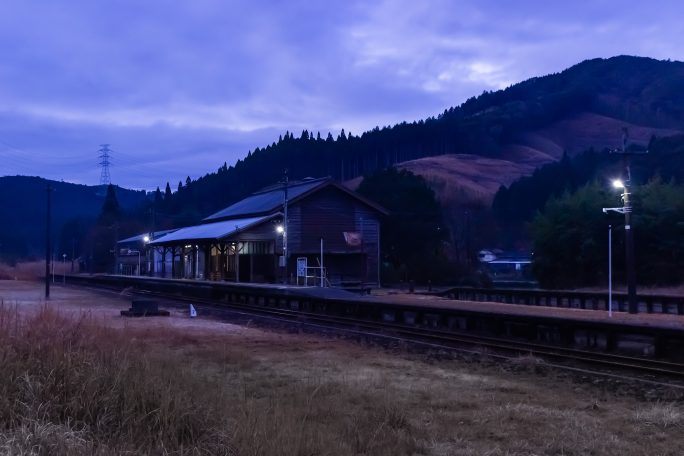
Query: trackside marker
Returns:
{"type": "Point", "coordinates": [193, 311]}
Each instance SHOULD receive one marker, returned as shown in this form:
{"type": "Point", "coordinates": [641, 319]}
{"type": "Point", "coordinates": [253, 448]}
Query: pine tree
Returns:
{"type": "Point", "coordinates": [158, 198]}
{"type": "Point", "coordinates": [111, 210]}
{"type": "Point", "coordinates": [167, 193]}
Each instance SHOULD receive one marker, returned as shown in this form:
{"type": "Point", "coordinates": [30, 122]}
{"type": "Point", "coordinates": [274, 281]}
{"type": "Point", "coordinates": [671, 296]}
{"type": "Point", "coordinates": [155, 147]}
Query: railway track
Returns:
{"type": "Point", "coordinates": [629, 368]}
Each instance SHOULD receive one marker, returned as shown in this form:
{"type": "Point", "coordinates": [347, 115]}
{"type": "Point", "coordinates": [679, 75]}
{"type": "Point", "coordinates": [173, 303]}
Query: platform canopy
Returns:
{"type": "Point", "coordinates": [211, 231]}
{"type": "Point", "coordinates": [141, 237]}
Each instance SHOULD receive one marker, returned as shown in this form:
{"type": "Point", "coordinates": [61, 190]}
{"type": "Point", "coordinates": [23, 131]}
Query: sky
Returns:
{"type": "Point", "coordinates": [178, 87]}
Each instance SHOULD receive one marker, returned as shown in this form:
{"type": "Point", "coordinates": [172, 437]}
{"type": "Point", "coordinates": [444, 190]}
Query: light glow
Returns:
{"type": "Point", "coordinates": [280, 229]}
{"type": "Point", "coordinates": [617, 183]}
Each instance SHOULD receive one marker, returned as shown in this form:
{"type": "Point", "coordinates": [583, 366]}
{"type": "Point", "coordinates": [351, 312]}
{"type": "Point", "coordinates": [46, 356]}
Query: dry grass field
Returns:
{"type": "Point", "coordinates": [77, 379]}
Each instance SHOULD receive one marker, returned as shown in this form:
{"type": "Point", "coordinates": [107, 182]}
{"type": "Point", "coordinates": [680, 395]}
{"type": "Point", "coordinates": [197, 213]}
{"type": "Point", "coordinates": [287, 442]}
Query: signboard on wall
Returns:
{"type": "Point", "coordinates": [301, 267]}
{"type": "Point", "coordinates": [353, 238]}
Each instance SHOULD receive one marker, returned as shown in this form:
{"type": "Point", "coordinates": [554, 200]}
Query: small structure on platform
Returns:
{"type": "Point", "coordinates": [313, 232]}
{"type": "Point", "coordinates": [144, 308]}
{"type": "Point", "coordinates": [507, 267]}
{"type": "Point", "coordinates": [135, 258]}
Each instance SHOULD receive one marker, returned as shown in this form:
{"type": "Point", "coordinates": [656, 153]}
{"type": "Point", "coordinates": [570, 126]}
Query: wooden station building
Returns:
{"type": "Point", "coordinates": [245, 242]}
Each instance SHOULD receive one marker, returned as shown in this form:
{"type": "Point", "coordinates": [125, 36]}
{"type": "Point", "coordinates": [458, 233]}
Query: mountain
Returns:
{"type": "Point", "coordinates": [468, 151]}
{"type": "Point", "coordinates": [24, 201]}
{"type": "Point", "coordinates": [465, 153]}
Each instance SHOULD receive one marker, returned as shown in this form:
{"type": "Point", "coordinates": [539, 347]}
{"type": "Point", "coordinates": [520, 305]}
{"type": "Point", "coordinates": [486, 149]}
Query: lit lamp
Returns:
{"type": "Point", "coordinates": [280, 230]}
{"type": "Point", "coordinates": [626, 209]}
{"type": "Point", "coordinates": [146, 240]}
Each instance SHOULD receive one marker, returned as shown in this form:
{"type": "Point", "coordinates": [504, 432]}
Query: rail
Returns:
{"type": "Point", "coordinates": [495, 347]}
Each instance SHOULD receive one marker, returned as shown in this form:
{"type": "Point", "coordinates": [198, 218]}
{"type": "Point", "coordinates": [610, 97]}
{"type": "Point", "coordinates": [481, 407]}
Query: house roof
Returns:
{"type": "Point", "coordinates": [273, 198]}
{"type": "Point", "coordinates": [211, 231]}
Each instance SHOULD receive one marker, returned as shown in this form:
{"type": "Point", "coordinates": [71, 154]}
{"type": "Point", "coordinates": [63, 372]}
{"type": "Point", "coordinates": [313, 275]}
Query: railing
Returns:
{"type": "Point", "coordinates": [666, 304]}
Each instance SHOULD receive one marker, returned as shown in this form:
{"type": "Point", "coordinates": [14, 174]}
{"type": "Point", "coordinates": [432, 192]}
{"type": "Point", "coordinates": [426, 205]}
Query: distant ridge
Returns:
{"type": "Point", "coordinates": [521, 128]}
{"type": "Point", "coordinates": [23, 202]}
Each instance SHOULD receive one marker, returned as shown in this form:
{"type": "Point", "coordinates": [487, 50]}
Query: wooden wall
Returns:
{"type": "Point", "coordinates": [328, 214]}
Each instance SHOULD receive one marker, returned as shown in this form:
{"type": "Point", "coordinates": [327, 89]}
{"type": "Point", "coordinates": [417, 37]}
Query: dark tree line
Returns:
{"type": "Point", "coordinates": [571, 240]}
{"type": "Point", "coordinates": [413, 236]}
{"type": "Point", "coordinates": [560, 208]}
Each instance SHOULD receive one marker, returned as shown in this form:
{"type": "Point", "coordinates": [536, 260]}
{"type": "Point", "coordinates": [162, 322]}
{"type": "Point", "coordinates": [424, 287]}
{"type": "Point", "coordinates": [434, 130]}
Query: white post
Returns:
{"type": "Point", "coordinates": [237, 262]}
{"type": "Point", "coordinates": [610, 270]}
{"type": "Point", "coordinates": [322, 282]}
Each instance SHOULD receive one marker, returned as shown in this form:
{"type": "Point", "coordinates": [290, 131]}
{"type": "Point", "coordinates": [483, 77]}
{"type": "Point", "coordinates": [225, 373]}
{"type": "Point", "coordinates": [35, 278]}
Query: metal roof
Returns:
{"type": "Point", "coordinates": [141, 237]}
{"type": "Point", "coordinates": [210, 231]}
{"type": "Point", "coordinates": [268, 200]}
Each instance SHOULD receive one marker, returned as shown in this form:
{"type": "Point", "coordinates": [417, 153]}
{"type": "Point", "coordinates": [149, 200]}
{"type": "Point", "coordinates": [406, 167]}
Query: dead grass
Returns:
{"type": "Point", "coordinates": [461, 178]}
{"type": "Point", "coordinates": [31, 270]}
{"type": "Point", "coordinates": [86, 385]}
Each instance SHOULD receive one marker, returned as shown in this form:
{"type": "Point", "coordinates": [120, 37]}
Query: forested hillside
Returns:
{"type": "Point", "coordinates": [24, 200]}
{"type": "Point", "coordinates": [519, 124]}
{"type": "Point", "coordinates": [559, 210]}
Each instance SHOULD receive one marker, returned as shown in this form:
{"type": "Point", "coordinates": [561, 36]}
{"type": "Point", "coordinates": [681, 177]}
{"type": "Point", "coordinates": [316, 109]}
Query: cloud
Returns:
{"type": "Point", "coordinates": [217, 78]}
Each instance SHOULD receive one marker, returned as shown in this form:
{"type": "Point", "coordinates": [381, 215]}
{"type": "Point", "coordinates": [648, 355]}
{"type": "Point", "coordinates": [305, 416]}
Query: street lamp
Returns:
{"type": "Point", "coordinates": [280, 231]}
{"type": "Point", "coordinates": [626, 209]}
{"type": "Point", "coordinates": [146, 240]}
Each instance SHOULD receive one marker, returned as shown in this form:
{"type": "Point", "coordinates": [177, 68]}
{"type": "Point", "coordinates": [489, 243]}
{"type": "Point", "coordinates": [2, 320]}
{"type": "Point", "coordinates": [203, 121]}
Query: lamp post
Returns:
{"type": "Point", "coordinates": [285, 230]}
{"type": "Point", "coordinates": [610, 270]}
{"type": "Point", "coordinates": [627, 211]}
{"type": "Point", "coordinates": [64, 268]}
{"type": "Point", "coordinates": [146, 240]}
{"type": "Point", "coordinates": [280, 230]}
{"type": "Point", "coordinates": [633, 306]}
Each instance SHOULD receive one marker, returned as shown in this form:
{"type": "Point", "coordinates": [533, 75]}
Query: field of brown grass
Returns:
{"type": "Point", "coordinates": [466, 179]}
{"type": "Point", "coordinates": [78, 379]}
{"type": "Point", "coordinates": [32, 270]}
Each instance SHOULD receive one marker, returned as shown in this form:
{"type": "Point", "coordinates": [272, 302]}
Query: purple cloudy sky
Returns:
{"type": "Point", "coordinates": [178, 87]}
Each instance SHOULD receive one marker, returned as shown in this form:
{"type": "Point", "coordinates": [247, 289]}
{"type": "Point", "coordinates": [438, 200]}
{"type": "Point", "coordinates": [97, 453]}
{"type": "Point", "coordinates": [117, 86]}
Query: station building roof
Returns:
{"type": "Point", "coordinates": [272, 199]}
{"type": "Point", "coordinates": [267, 200]}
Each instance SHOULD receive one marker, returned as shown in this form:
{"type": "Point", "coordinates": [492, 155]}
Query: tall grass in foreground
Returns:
{"type": "Point", "coordinates": [76, 387]}
{"type": "Point", "coordinates": [71, 387]}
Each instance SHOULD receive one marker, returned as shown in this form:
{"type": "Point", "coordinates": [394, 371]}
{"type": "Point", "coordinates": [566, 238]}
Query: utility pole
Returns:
{"type": "Point", "coordinates": [47, 243]}
{"type": "Point", "coordinates": [285, 231]}
{"type": "Point", "coordinates": [633, 305]}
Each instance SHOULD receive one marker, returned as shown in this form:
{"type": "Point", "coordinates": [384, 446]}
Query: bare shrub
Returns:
{"type": "Point", "coordinates": [660, 415]}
